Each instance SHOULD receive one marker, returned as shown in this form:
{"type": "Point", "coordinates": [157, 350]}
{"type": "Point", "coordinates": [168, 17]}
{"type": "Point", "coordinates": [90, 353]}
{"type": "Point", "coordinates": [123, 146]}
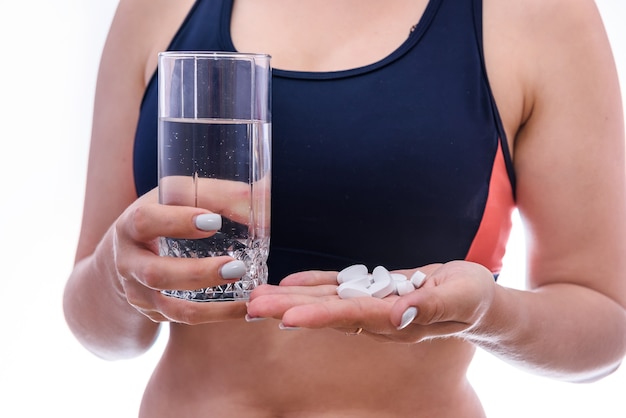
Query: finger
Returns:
{"type": "Point", "coordinates": [372, 314]}
{"type": "Point", "coordinates": [434, 305]}
{"type": "Point", "coordinates": [232, 199]}
{"type": "Point", "coordinates": [319, 290]}
{"type": "Point", "coordinates": [160, 308]}
{"type": "Point", "coordinates": [423, 306]}
{"type": "Point", "coordinates": [160, 273]}
{"type": "Point", "coordinates": [195, 313]}
{"type": "Point", "coordinates": [310, 278]}
{"type": "Point", "coordinates": [152, 314]}
{"type": "Point", "coordinates": [145, 223]}
{"type": "Point", "coordinates": [275, 302]}
{"type": "Point", "coordinates": [456, 292]}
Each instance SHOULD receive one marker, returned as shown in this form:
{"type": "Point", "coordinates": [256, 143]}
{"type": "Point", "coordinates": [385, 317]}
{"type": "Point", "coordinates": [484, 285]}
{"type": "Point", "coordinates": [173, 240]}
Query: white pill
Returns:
{"type": "Point", "coordinates": [381, 273]}
{"type": "Point", "coordinates": [351, 273]}
{"type": "Point", "coordinates": [418, 279]}
{"type": "Point", "coordinates": [362, 282]}
{"type": "Point", "coordinates": [351, 290]}
{"type": "Point", "coordinates": [383, 284]}
{"type": "Point", "coordinates": [404, 287]}
{"type": "Point", "coordinates": [398, 277]}
{"type": "Point", "coordinates": [382, 289]}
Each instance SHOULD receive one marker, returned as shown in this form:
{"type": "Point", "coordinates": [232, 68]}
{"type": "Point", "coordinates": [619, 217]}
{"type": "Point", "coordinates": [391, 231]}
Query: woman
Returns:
{"type": "Point", "coordinates": [404, 135]}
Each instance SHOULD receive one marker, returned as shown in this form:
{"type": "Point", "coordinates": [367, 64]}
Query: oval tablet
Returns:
{"type": "Point", "coordinates": [351, 273]}
{"type": "Point", "coordinates": [399, 277]}
{"type": "Point", "coordinates": [383, 284]}
{"type": "Point", "coordinates": [348, 291]}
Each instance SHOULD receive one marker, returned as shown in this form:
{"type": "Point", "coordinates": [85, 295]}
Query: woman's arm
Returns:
{"type": "Point", "coordinates": [94, 308]}
{"type": "Point", "coordinates": [112, 300]}
{"type": "Point", "coordinates": [571, 194]}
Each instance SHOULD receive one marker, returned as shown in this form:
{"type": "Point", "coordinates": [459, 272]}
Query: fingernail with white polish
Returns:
{"type": "Point", "coordinates": [249, 318]}
{"type": "Point", "coordinates": [208, 222]}
{"type": "Point", "coordinates": [233, 270]}
{"type": "Point", "coordinates": [285, 327]}
{"type": "Point", "coordinates": [407, 317]}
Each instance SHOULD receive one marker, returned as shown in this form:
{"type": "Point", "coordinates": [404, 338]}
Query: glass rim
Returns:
{"type": "Point", "coordinates": [213, 54]}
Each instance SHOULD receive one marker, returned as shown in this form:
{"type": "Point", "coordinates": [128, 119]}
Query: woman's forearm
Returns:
{"type": "Point", "coordinates": [563, 331]}
{"type": "Point", "coordinates": [98, 313]}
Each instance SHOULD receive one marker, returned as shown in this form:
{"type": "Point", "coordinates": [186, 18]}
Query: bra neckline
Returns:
{"type": "Point", "coordinates": [415, 35]}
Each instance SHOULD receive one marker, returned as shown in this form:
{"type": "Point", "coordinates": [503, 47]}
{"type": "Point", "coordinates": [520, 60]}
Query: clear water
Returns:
{"type": "Point", "coordinates": [219, 149]}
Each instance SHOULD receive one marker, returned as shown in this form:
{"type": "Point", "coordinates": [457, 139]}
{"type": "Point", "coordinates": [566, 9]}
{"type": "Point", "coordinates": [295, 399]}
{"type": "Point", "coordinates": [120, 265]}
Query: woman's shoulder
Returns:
{"type": "Point", "coordinates": [540, 17]}
{"type": "Point", "coordinates": [143, 28]}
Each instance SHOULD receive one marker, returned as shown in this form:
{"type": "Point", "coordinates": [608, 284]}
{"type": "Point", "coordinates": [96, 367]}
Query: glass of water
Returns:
{"type": "Point", "coordinates": [214, 152]}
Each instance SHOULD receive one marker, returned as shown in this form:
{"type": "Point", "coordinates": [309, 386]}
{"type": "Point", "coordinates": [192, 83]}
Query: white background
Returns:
{"type": "Point", "coordinates": [50, 52]}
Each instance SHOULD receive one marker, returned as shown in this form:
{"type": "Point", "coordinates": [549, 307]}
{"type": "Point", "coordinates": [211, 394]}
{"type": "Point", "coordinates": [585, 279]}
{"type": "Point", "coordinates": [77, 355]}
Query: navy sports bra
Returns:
{"type": "Point", "coordinates": [399, 163]}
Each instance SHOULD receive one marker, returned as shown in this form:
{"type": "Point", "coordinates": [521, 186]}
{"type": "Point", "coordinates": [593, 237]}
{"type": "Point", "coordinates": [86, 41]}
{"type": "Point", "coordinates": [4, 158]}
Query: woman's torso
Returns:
{"type": "Point", "coordinates": [388, 163]}
{"type": "Point", "coordinates": [422, 178]}
{"type": "Point", "coordinates": [239, 369]}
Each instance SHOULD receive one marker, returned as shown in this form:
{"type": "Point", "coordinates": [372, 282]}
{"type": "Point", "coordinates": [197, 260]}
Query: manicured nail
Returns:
{"type": "Point", "coordinates": [407, 317]}
{"type": "Point", "coordinates": [249, 318]}
{"type": "Point", "coordinates": [287, 328]}
{"type": "Point", "coordinates": [208, 222]}
{"type": "Point", "coordinates": [233, 270]}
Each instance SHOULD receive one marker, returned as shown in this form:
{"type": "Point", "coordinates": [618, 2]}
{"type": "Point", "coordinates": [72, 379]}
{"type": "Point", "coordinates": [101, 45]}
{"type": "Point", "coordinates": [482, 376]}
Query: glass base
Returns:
{"type": "Point", "coordinates": [253, 255]}
{"type": "Point", "coordinates": [238, 291]}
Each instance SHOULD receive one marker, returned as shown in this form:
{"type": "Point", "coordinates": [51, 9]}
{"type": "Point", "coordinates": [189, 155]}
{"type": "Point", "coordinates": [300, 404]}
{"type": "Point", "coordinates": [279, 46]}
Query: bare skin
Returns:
{"type": "Point", "coordinates": [560, 106]}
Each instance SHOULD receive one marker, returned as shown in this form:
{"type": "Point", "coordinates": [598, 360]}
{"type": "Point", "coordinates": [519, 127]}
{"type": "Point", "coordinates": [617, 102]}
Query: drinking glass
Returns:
{"type": "Point", "coordinates": [214, 151]}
